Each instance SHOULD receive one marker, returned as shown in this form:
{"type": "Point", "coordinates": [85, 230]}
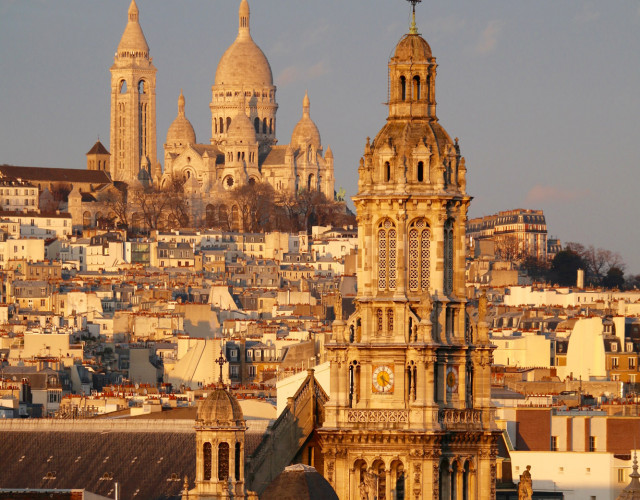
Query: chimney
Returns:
{"type": "Point", "coordinates": [580, 280]}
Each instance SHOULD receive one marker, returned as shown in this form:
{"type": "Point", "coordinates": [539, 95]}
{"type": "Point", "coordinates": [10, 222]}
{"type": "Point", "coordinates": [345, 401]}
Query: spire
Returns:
{"type": "Point", "coordinates": [181, 104]}
{"type": "Point", "coordinates": [133, 42]}
{"type": "Point", "coordinates": [133, 12]}
{"type": "Point", "coordinates": [243, 19]}
{"type": "Point", "coordinates": [306, 104]}
{"type": "Point", "coordinates": [413, 30]}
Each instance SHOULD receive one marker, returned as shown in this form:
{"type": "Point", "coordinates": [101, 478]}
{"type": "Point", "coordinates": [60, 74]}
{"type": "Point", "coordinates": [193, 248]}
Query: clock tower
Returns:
{"type": "Point", "coordinates": [409, 415]}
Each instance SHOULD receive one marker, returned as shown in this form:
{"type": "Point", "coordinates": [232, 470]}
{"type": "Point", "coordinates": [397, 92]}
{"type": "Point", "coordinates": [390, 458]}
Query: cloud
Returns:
{"type": "Point", "coordinates": [292, 74]}
{"type": "Point", "coordinates": [587, 15]}
{"type": "Point", "coordinates": [540, 193]}
{"type": "Point", "coordinates": [489, 37]}
{"type": "Point", "coordinates": [311, 36]}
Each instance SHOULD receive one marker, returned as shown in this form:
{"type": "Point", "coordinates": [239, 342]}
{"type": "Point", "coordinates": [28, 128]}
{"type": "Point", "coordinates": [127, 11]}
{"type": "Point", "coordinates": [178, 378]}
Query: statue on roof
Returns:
{"type": "Point", "coordinates": [525, 486]}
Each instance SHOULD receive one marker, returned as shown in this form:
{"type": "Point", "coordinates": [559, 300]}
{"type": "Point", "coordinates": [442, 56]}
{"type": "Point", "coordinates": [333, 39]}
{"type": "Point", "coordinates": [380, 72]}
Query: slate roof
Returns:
{"type": "Point", "coordinates": [274, 157]}
{"type": "Point", "coordinates": [42, 174]}
{"type": "Point", "coordinates": [147, 465]}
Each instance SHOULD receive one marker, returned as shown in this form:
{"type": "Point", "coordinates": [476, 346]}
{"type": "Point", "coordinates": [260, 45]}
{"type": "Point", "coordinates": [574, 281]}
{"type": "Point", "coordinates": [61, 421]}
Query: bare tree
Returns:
{"type": "Point", "coordinates": [114, 200]}
{"type": "Point", "coordinates": [509, 248]}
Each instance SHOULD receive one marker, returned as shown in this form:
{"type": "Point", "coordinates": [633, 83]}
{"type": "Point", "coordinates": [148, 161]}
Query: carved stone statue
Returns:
{"type": "Point", "coordinates": [337, 306]}
{"type": "Point", "coordinates": [525, 487]}
{"type": "Point", "coordinates": [482, 307]}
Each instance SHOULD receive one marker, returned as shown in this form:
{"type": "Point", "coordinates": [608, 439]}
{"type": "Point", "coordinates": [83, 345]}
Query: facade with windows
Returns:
{"type": "Point", "coordinates": [17, 195]}
{"type": "Point", "coordinates": [409, 410]}
{"type": "Point", "coordinates": [517, 233]}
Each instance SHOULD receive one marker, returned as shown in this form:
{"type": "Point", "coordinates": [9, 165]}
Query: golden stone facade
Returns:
{"type": "Point", "coordinates": [243, 145]}
{"type": "Point", "coordinates": [409, 415]}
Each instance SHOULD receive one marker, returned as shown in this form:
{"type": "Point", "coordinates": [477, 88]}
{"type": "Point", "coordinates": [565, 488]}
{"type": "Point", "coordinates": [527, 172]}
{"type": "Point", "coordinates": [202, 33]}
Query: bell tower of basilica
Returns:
{"type": "Point", "coordinates": [133, 105]}
{"type": "Point", "coordinates": [410, 415]}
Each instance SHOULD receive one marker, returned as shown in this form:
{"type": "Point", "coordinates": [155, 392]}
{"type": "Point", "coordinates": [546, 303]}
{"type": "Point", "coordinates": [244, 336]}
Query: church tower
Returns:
{"type": "Point", "coordinates": [133, 104]}
{"type": "Point", "coordinates": [409, 415]}
{"type": "Point", "coordinates": [220, 430]}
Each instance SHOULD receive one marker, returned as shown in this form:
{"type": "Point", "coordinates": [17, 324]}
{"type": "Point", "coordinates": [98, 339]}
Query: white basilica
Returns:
{"type": "Point", "coordinates": [242, 148]}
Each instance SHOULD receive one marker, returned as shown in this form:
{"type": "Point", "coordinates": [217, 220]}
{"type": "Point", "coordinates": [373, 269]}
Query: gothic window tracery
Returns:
{"type": "Point", "coordinates": [389, 321]}
{"type": "Point", "coordinates": [387, 255]}
{"type": "Point", "coordinates": [419, 256]}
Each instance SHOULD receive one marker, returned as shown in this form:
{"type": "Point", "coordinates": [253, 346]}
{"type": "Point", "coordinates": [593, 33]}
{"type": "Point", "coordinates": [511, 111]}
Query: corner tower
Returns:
{"type": "Point", "coordinates": [244, 73]}
{"type": "Point", "coordinates": [409, 414]}
{"type": "Point", "coordinates": [133, 104]}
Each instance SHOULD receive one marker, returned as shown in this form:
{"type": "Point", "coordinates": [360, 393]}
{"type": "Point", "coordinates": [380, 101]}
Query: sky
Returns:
{"type": "Point", "coordinates": [544, 95]}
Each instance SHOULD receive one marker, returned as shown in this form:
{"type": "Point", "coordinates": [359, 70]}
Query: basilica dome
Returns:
{"type": "Point", "coordinates": [244, 63]}
{"type": "Point", "coordinates": [181, 131]}
{"type": "Point", "coordinates": [306, 129]}
{"type": "Point", "coordinates": [221, 408]}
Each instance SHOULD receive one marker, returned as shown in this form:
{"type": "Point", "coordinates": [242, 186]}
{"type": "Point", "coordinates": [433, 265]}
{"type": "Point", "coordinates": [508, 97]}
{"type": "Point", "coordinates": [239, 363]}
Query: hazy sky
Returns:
{"type": "Point", "coordinates": [544, 95]}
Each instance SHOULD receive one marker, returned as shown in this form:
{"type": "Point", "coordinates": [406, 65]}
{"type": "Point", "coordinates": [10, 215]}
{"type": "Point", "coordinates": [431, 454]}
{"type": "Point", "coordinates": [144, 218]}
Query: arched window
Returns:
{"type": "Point", "coordinates": [310, 183]}
{"type": "Point", "coordinates": [271, 126]}
{"type": "Point", "coordinates": [419, 256]}
{"type": "Point", "coordinates": [264, 125]}
{"type": "Point", "coordinates": [215, 125]}
{"type": "Point", "coordinates": [387, 255]}
{"type": "Point", "coordinates": [141, 87]}
{"type": "Point", "coordinates": [416, 88]}
{"type": "Point", "coordinates": [256, 124]}
{"type": "Point", "coordinates": [387, 171]}
{"type": "Point", "coordinates": [379, 470]}
{"type": "Point", "coordinates": [235, 218]}
{"type": "Point", "coordinates": [223, 217]}
{"type": "Point", "coordinates": [228, 124]}
{"type": "Point", "coordinates": [448, 257]}
{"type": "Point", "coordinates": [223, 461]}
{"type": "Point", "coordinates": [206, 461]}
{"type": "Point", "coordinates": [123, 87]}
{"type": "Point", "coordinates": [403, 88]}
{"type": "Point", "coordinates": [211, 215]}
{"type": "Point", "coordinates": [398, 478]}
{"type": "Point", "coordinates": [420, 172]}
{"type": "Point", "coordinates": [221, 125]}
{"type": "Point", "coordinates": [86, 219]}
{"type": "Point", "coordinates": [237, 461]}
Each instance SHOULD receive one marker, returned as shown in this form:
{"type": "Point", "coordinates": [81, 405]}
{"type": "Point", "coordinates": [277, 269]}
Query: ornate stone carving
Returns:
{"type": "Point", "coordinates": [451, 417]}
{"type": "Point", "coordinates": [372, 416]}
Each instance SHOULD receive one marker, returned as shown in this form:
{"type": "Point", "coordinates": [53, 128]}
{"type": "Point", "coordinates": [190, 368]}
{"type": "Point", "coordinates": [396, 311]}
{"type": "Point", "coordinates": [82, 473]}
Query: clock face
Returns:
{"type": "Point", "coordinates": [383, 379]}
{"type": "Point", "coordinates": [452, 379]}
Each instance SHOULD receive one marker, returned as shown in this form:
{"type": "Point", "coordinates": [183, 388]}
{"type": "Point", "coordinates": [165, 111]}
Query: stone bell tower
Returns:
{"type": "Point", "coordinates": [409, 415]}
{"type": "Point", "coordinates": [133, 104]}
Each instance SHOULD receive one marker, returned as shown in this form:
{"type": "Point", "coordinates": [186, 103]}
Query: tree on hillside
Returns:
{"type": "Point", "coordinates": [564, 268]}
{"type": "Point", "coordinates": [114, 200]}
{"type": "Point", "coordinates": [614, 278]}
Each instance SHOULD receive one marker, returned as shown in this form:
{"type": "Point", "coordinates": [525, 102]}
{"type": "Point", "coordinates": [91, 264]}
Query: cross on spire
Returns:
{"type": "Point", "coordinates": [221, 361]}
{"type": "Point", "coordinates": [414, 29]}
